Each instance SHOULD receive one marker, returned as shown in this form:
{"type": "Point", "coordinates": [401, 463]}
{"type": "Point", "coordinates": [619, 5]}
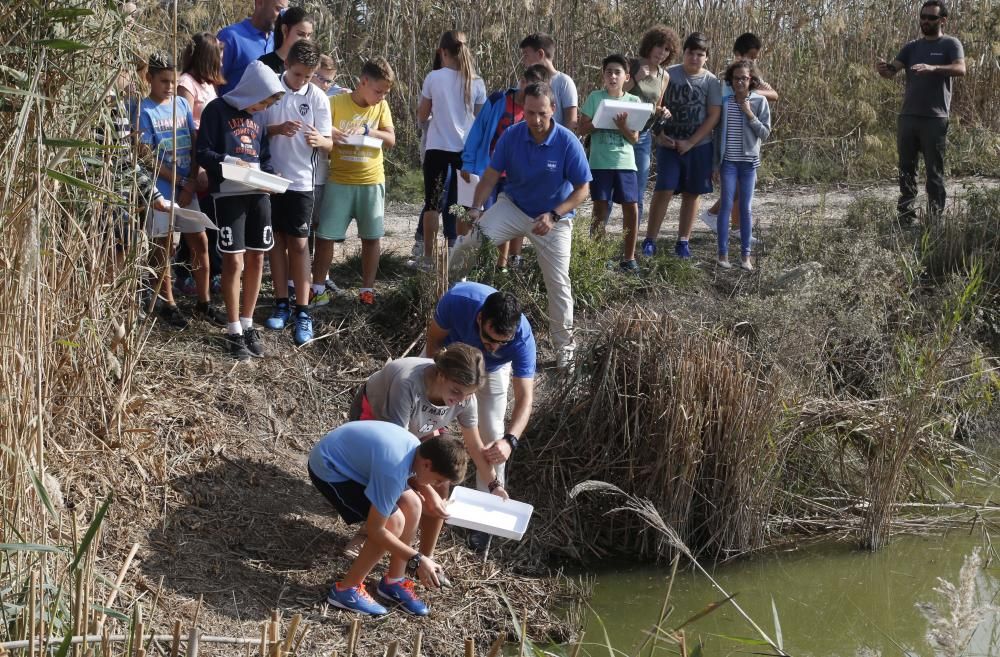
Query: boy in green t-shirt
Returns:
{"type": "Point", "coordinates": [612, 158]}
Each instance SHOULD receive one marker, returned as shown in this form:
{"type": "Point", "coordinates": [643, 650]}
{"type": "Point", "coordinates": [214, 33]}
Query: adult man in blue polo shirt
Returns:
{"type": "Point", "coordinates": [547, 178]}
{"type": "Point", "coordinates": [248, 40]}
{"type": "Point", "coordinates": [491, 321]}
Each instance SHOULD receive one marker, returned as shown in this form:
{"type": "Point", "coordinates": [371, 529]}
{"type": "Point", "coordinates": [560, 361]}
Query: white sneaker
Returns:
{"type": "Point", "coordinates": [566, 358]}
{"type": "Point", "coordinates": [421, 263]}
{"type": "Point", "coordinates": [723, 263]}
{"type": "Point", "coordinates": [735, 234]}
{"type": "Point", "coordinates": [710, 220]}
{"type": "Point", "coordinates": [746, 264]}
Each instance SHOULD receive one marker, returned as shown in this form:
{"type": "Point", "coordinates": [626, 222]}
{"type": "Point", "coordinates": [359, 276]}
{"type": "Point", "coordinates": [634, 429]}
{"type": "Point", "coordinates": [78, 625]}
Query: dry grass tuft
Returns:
{"type": "Point", "coordinates": [685, 416]}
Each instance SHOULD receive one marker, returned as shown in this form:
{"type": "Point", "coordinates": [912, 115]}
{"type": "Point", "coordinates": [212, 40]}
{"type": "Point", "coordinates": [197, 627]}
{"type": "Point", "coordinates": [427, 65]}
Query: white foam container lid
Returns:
{"type": "Point", "coordinates": [485, 512]}
{"type": "Point", "coordinates": [255, 178]}
{"type": "Point", "coordinates": [363, 140]}
{"type": "Point", "coordinates": [638, 114]}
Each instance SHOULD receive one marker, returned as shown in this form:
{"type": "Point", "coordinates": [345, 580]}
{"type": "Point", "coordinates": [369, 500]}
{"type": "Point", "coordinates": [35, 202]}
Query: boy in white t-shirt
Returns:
{"type": "Point", "coordinates": [298, 126]}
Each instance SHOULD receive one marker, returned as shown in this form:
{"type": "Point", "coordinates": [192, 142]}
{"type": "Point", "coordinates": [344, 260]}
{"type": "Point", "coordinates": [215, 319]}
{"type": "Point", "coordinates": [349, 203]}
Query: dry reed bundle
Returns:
{"type": "Point", "coordinates": [69, 335]}
{"type": "Point", "coordinates": [683, 418]}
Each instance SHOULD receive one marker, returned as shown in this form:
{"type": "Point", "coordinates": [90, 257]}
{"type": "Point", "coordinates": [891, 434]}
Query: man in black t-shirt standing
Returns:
{"type": "Point", "coordinates": [930, 62]}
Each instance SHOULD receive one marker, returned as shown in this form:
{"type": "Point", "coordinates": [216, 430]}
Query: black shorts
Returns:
{"type": "Point", "coordinates": [291, 213]}
{"type": "Point", "coordinates": [347, 497]}
{"type": "Point", "coordinates": [244, 223]}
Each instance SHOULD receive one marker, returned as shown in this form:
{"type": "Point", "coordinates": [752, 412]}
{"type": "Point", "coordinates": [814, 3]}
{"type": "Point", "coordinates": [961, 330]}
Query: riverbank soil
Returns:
{"type": "Point", "coordinates": [209, 466]}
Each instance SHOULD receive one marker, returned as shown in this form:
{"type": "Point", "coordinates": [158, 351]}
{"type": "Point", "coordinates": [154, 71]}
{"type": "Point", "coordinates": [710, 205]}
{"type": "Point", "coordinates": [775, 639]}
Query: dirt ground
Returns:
{"type": "Point", "coordinates": [211, 469]}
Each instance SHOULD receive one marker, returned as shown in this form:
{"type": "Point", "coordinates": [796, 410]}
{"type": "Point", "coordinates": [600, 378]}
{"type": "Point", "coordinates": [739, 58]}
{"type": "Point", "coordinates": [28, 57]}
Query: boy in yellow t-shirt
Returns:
{"type": "Point", "coordinates": [355, 188]}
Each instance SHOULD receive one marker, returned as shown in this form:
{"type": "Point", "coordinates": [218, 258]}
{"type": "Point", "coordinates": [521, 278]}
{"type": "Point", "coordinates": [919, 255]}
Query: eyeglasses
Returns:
{"type": "Point", "coordinates": [930, 17]}
{"type": "Point", "coordinates": [321, 79]}
{"type": "Point", "coordinates": [741, 78]}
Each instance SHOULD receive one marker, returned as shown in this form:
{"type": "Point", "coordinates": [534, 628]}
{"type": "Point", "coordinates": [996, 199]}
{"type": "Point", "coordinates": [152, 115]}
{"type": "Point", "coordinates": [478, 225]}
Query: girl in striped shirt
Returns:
{"type": "Point", "coordinates": [744, 124]}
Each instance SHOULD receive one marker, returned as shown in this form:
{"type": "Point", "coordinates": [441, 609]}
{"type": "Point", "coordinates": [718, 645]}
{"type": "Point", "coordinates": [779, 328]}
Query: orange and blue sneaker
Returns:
{"type": "Point", "coordinates": [367, 297]}
{"type": "Point", "coordinates": [355, 598]}
{"type": "Point", "coordinates": [402, 592]}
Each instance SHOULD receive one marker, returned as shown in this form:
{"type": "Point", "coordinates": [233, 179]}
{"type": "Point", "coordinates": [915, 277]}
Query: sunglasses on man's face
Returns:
{"type": "Point", "coordinates": [930, 17]}
{"type": "Point", "coordinates": [486, 337]}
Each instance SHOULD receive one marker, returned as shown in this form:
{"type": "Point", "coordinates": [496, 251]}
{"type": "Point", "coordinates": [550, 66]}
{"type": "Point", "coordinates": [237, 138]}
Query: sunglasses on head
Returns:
{"type": "Point", "coordinates": [930, 17]}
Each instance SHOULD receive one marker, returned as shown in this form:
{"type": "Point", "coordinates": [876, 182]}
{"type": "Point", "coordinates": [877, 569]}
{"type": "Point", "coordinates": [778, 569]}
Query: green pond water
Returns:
{"type": "Point", "coordinates": [831, 600]}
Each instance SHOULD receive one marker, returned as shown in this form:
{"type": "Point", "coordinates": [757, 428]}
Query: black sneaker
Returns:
{"type": "Point", "coordinates": [237, 349]}
{"type": "Point", "coordinates": [629, 266]}
{"type": "Point", "coordinates": [209, 313]}
{"type": "Point", "coordinates": [173, 316]}
{"type": "Point", "coordinates": [251, 339]}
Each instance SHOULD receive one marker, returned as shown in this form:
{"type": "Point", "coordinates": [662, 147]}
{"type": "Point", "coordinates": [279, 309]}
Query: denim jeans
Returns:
{"type": "Point", "coordinates": [643, 150]}
{"type": "Point", "coordinates": [733, 176]}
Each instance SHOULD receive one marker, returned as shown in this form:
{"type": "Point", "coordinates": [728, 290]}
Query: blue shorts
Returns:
{"type": "Point", "coordinates": [617, 185]}
{"type": "Point", "coordinates": [690, 173]}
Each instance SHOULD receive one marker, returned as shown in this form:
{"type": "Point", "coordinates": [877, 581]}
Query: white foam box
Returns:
{"type": "Point", "coordinates": [363, 140]}
{"type": "Point", "coordinates": [255, 178]}
{"type": "Point", "coordinates": [486, 512]}
{"type": "Point", "coordinates": [638, 114]}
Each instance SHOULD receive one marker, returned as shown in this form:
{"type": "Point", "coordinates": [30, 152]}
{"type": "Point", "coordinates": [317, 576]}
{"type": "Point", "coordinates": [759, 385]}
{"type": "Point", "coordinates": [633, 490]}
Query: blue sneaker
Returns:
{"type": "Point", "coordinates": [681, 249]}
{"type": "Point", "coordinates": [303, 327]}
{"type": "Point", "coordinates": [279, 318]}
{"type": "Point", "coordinates": [648, 248]}
{"type": "Point", "coordinates": [355, 598]}
{"type": "Point", "coordinates": [403, 593]}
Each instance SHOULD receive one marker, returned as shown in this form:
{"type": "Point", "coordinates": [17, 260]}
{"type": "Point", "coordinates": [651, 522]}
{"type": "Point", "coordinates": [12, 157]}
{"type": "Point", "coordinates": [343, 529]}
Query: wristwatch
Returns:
{"type": "Point", "coordinates": [512, 439]}
{"type": "Point", "coordinates": [367, 129]}
{"type": "Point", "coordinates": [556, 216]}
{"type": "Point", "coordinates": [413, 562]}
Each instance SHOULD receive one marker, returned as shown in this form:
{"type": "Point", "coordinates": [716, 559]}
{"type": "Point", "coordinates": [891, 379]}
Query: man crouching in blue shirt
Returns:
{"type": "Point", "coordinates": [365, 469]}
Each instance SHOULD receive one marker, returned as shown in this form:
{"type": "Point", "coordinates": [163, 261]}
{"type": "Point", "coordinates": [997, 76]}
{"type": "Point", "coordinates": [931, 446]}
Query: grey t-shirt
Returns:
{"type": "Point", "coordinates": [397, 394]}
{"type": "Point", "coordinates": [565, 91]}
{"type": "Point", "coordinates": [929, 94]}
{"type": "Point", "coordinates": [688, 98]}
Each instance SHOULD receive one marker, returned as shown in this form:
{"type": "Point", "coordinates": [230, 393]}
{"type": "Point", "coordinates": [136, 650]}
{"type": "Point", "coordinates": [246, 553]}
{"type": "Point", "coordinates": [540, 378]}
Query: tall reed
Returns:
{"type": "Point", "coordinates": [68, 331]}
{"type": "Point", "coordinates": [835, 119]}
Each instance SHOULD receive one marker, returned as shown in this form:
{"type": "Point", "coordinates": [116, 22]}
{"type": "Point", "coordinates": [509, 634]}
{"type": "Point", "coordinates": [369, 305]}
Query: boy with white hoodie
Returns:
{"type": "Point", "coordinates": [229, 133]}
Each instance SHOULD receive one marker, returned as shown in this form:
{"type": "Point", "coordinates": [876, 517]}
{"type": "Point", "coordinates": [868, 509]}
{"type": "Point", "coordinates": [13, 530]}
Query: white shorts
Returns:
{"type": "Point", "coordinates": [157, 222]}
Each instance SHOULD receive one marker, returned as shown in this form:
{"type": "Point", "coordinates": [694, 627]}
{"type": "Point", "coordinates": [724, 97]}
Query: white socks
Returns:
{"type": "Point", "coordinates": [234, 328]}
{"type": "Point", "coordinates": [245, 323]}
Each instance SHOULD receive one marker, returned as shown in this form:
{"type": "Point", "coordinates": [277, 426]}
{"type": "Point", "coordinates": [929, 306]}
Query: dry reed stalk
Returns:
{"type": "Point", "coordinates": [417, 639]}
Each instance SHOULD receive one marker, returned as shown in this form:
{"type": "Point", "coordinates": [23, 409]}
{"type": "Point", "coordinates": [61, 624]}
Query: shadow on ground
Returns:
{"type": "Point", "coordinates": [248, 536]}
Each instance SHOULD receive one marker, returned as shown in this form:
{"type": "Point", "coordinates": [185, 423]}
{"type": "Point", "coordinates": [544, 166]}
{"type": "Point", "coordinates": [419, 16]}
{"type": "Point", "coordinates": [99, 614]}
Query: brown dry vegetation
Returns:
{"type": "Point", "coordinates": [835, 119]}
{"type": "Point", "coordinates": [838, 340]}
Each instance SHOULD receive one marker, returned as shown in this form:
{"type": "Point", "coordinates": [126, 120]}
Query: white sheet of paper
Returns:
{"type": "Point", "coordinates": [467, 190]}
{"type": "Point", "coordinates": [191, 221]}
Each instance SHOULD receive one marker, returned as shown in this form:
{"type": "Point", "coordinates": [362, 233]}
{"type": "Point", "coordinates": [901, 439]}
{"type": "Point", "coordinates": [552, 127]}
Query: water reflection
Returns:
{"type": "Point", "coordinates": [832, 600]}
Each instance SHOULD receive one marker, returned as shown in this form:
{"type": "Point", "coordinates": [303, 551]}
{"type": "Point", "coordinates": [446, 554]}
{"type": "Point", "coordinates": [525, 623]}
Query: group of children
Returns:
{"type": "Point", "coordinates": [703, 128]}
{"type": "Point", "coordinates": [389, 467]}
{"type": "Point", "coordinates": [283, 116]}
{"type": "Point", "coordinates": [290, 119]}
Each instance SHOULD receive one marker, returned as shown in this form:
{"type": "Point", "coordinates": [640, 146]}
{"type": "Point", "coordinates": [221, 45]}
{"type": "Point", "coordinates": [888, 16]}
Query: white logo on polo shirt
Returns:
{"type": "Point", "coordinates": [552, 165]}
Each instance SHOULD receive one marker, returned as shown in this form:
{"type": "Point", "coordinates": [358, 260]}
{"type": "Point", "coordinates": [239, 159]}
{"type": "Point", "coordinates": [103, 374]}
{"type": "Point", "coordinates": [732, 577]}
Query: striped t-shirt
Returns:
{"type": "Point", "coordinates": [735, 125]}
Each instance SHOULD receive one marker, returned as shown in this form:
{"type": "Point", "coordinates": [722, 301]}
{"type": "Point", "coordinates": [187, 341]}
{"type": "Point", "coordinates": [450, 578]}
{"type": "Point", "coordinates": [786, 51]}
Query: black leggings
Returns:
{"type": "Point", "coordinates": [437, 166]}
